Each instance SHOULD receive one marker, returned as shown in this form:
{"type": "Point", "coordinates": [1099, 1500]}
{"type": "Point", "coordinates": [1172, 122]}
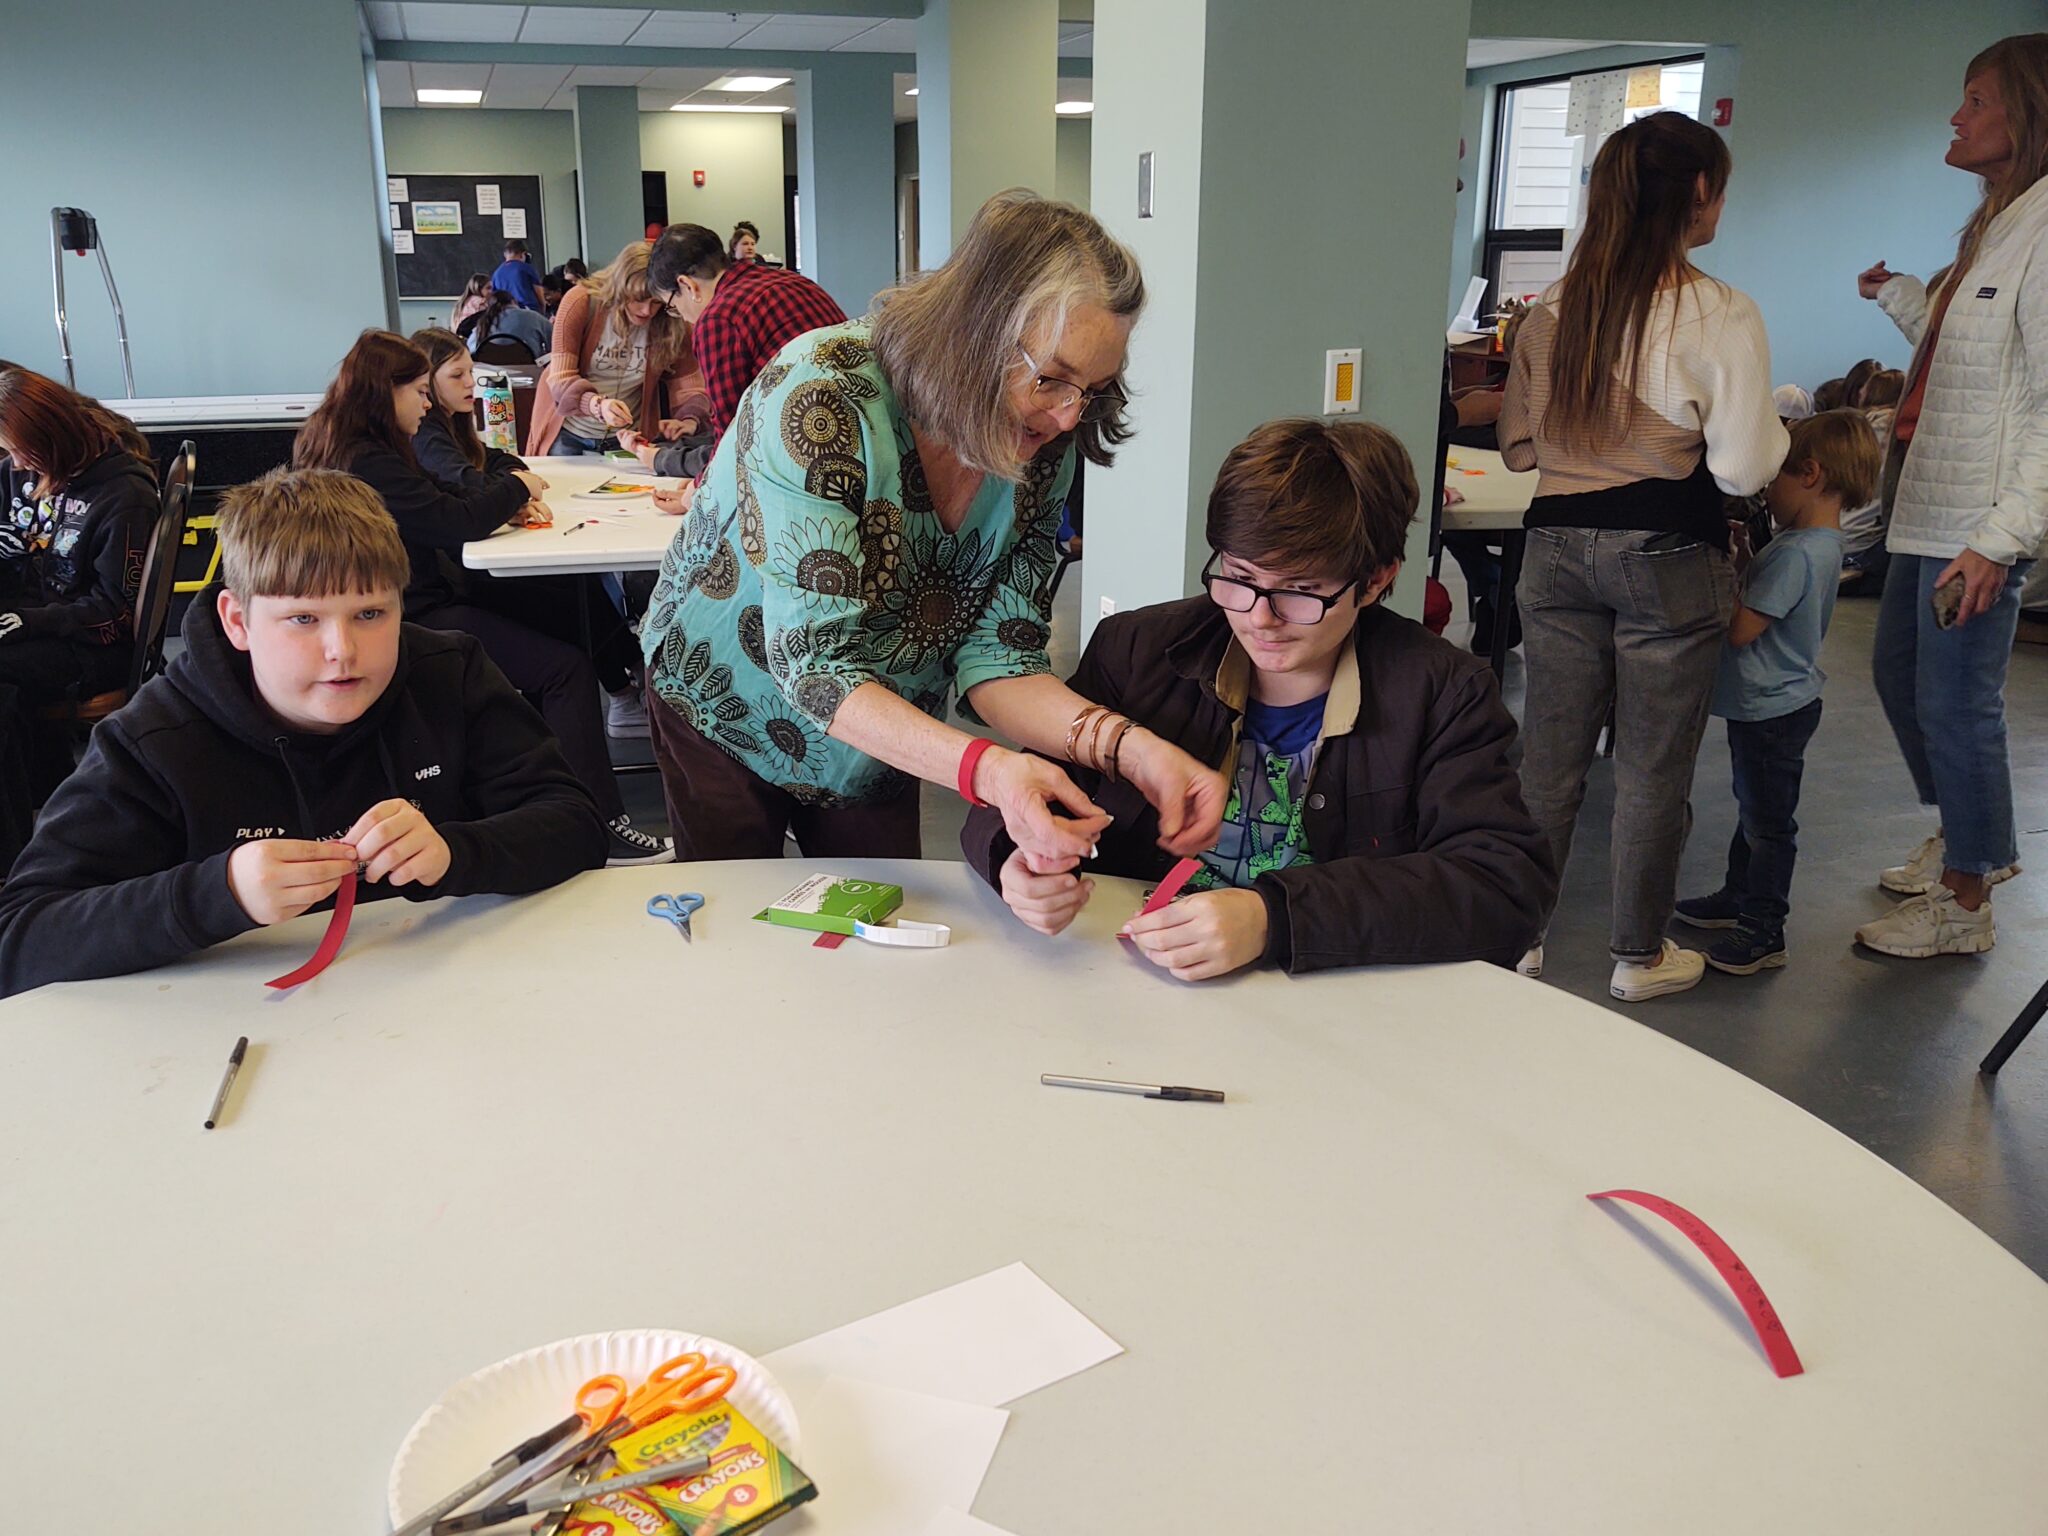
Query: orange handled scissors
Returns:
{"type": "Point", "coordinates": [686, 1384]}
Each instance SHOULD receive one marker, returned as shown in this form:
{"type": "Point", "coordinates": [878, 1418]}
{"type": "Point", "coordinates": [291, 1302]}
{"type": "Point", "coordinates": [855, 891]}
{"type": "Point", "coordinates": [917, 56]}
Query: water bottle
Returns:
{"type": "Point", "coordinates": [500, 426]}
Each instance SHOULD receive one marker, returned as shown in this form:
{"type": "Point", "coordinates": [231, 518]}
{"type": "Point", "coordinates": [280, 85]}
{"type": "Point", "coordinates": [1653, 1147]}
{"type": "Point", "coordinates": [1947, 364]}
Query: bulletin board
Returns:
{"type": "Point", "coordinates": [446, 227]}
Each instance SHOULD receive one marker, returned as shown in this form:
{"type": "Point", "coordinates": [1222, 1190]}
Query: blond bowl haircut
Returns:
{"type": "Point", "coordinates": [308, 533]}
{"type": "Point", "coordinates": [949, 339]}
{"type": "Point", "coordinates": [1842, 443]}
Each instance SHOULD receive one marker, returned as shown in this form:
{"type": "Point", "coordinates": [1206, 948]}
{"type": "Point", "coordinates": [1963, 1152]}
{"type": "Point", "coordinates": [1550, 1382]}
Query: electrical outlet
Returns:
{"type": "Point", "coordinates": [1108, 607]}
{"type": "Point", "coordinates": [1340, 381]}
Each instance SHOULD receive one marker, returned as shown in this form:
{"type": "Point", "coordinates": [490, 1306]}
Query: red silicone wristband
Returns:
{"type": "Point", "coordinates": [968, 759]}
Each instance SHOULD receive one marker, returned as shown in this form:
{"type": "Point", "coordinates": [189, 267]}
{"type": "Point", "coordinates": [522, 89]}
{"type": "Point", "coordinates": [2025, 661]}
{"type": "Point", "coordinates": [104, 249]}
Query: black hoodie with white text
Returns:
{"type": "Point", "coordinates": [70, 563]}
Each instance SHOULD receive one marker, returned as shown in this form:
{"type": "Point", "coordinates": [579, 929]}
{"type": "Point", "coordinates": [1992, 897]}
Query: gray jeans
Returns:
{"type": "Point", "coordinates": [1620, 617]}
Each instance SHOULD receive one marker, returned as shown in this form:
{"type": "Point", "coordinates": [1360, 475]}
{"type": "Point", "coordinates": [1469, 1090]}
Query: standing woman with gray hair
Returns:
{"type": "Point", "coordinates": [875, 536]}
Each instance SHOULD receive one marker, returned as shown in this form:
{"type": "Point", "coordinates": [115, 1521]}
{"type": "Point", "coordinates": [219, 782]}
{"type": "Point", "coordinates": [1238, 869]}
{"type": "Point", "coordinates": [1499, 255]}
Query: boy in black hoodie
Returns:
{"type": "Point", "coordinates": [305, 731]}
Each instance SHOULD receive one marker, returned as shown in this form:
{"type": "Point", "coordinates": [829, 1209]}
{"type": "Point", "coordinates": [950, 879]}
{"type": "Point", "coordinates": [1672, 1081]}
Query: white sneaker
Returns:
{"type": "Point", "coordinates": [629, 845]}
{"type": "Point", "coordinates": [1922, 871]}
{"type": "Point", "coordinates": [1531, 964]}
{"type": "Point", "coordinates": [625, 715]}
{"type": "Point", "coordinates": [1932, 924]}
{"type": "Point", "coordinates": [1676, 970]}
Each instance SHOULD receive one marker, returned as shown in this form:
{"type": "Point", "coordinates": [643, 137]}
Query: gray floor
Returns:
{"type": "Point", "coordinates": [1884, 1050]}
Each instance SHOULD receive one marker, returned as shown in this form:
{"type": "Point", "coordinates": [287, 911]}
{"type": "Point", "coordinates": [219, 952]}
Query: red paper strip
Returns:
{"type": "Point", "coordinates": [829, 940]}
{"type": "Point", "coordinates": [1169, 888]}
{"type": "Point", "coordinates": [330, 941]}
{"type": "Point", "coordinates": [1769, 1331]}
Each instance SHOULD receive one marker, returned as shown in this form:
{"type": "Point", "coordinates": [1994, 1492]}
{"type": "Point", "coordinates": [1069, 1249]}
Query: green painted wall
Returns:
{"type": "Point", "coordinates": [1071, 168]}
{"type": "Point", "coordinates": [846, 178]}
{"type": "Point", "coordinates": [428, 140]}
{"type": "Point", "coordinates": [740, 154]}
{"type": "Point", "coordinates": [1841, 116]}
{"type": "Point", "coordinates": [226, 152]}
{"type": "Point", "coordinates": [987, 73]}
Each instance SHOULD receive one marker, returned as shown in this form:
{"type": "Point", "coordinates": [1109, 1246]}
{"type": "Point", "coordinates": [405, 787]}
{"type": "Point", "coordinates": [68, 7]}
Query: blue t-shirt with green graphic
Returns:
{"type": "Point", "coordinates": [1262, 829]}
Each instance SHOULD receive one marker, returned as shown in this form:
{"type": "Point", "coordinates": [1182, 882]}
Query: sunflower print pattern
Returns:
{"type": "Point", "coordinates": [814, 562]}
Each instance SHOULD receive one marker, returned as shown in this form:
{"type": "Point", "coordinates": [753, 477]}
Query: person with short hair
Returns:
{"type": "Point", "coordinates": [746, 240]}
{"type": "Point", "coordinates": [517, 276]}
{"type": "Point", "coordinates": [875, 537]}
{"type": "Point", "coordinates": [1769, 685]}
{"type": "Point", "coordinates": [303, 734]}
{"type": "Point", "coordinates": [1374, 815]}
{"type": "Point", "coordinates": [740, 315]}
{"type": "Point", "coordinates": [1966, 488]}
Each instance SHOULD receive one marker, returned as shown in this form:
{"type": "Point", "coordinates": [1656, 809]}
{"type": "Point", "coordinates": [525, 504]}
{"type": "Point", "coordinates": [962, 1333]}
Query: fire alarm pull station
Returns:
{"type": "Point", "coordinates": [1724, 111]}
{"type": "Point", "coordinates": [697, 178]}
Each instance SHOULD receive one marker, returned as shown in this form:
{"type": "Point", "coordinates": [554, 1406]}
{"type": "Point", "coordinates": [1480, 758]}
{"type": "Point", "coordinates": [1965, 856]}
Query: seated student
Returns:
{"type": "Point", "coordinates": [516, 275]}
{"type": "Point", "coordinates": [745, 242]}
{"type": "Point", "coordinates": [1375, 816]}
{"type": "Point", "coordinates": [1831, 396]}
{"type": "Point", "coordinates": [566, 607]}
{"type": "Point", "coordinates": [1864, 557]}
{"type": "Point", "coordinates": [554, 283]}
{"type": "Point", "coordinates": [303, 732]}
{"type": "Point", "coordinates": [1769, 686]}
{"type": "Point", "coordinates": [502, 320]}
{"type": "Point", "coordinates": [78, 497]}
{"type": "Point", "coordinates": [476, 293]}
{"type": "Point", "coordinates": [740, 314]}
{"type": "Point", "coordinates": [365, 426]}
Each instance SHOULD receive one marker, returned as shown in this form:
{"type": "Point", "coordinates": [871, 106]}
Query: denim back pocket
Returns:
{"type": "Point", "coordinates": [1679, 589]}
{"type": "Point", "coordinates": [1541, 556]}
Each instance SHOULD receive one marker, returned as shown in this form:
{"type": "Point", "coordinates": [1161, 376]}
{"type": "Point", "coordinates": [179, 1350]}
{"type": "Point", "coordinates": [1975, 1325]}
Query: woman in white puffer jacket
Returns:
{"type": "Point", "coordinates": [1966, 477]}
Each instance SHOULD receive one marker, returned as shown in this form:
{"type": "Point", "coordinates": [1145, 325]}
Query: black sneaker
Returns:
{"type": "Point", "coordinates": [1746, 951]}
{"type": "Point", "coordinates": [629, 845]}
{"type": "Point", "coordinates": [1720, 910]}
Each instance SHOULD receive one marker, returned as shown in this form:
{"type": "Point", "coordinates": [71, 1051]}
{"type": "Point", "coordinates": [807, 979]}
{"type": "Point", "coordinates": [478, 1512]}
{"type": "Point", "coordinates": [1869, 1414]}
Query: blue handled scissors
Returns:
{"type": "Point", "coordinates": [677, 909]}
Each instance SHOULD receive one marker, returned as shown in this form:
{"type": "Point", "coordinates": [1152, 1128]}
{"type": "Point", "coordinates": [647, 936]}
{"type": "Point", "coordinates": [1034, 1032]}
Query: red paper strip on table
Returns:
{"type": "Point", "coordinates": [1769, 1331]}
{"type": "Point", "coordinates": [330, 941]}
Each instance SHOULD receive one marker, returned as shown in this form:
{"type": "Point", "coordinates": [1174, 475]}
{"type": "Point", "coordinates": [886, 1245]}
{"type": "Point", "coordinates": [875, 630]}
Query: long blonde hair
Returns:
{"type": "Point", "coordinates": [1639, 214]}
{"type": "Point", "coordinates": [2020, 66]}
{"type": "Point", "coordinates": [668, 339]}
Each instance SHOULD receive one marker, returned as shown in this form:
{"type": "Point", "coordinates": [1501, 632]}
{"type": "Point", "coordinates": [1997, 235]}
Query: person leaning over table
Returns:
{"type": "Point", "coordinates": [619, 359]}
{"type": "Point", "coordinates": [874, 535]}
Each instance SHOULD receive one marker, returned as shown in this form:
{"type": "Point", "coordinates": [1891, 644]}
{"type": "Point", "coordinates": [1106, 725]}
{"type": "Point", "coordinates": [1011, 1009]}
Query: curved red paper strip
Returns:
{"type": "Point", "coordinates": [1169, 888]}
{"type": "Point", "coordinates": [330, 941]}
{"type": "Point", "coordinates": [1762, 1317]}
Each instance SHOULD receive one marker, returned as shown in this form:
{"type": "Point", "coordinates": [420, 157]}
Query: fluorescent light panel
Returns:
{"type": "Point", "coordinates": [1074, 108]}
{"type": "Point", "coordinates": [448, 98]}
{"type": "Point", "coordinates": [748, 83]}
{"type": "Point", "coordinates": [911, 92]}
{"type": "Point", "coordinates": [712, 106]}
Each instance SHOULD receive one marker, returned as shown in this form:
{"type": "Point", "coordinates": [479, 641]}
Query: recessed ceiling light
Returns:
{"type": "Point", "coordinates": [447, 98]}
{"type": "Point", "coordinates": [911, 92]}
{"type": "Point", "coordinates": [1074, 108]}
{"type": "Point", "coordinates": [748, 83]}
{"type": "Point", "coordinates": [712, 106]}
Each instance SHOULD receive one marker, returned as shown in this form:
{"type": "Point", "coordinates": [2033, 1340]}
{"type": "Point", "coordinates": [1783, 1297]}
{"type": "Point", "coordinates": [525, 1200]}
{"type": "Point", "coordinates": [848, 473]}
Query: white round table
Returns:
{"type": "Point", "coordinates": [629, 535]}
{"type": "Point", "coordinates": [1367, 1294]}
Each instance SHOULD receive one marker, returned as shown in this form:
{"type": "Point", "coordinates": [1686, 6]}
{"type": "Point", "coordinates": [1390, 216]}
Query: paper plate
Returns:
{"type": "Point", "coordinates": [487, 1413]}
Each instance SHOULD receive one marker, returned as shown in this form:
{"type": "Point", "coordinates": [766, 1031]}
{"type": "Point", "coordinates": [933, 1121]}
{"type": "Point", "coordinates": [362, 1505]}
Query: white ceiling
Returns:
{"type": "Point", "coordinates": [1483, 51]}
{"type": "Point", "coordinates": [637, 27]}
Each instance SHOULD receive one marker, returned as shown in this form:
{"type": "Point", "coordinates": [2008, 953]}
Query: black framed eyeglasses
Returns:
{"type": "Point", "coordinates": [1290, 605]}
{"type": "Point", "coordinates": [1055, 394]}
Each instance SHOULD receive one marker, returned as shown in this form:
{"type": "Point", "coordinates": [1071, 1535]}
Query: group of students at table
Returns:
{"type": "Point", "coordinates": [871, 543]}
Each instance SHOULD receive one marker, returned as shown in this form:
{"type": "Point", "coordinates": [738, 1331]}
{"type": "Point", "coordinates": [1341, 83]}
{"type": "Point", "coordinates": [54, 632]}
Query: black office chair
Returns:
{"type": "Point", "coordinates": [152, 596]}
{"type": "Point", "coordinates": [504, 349]}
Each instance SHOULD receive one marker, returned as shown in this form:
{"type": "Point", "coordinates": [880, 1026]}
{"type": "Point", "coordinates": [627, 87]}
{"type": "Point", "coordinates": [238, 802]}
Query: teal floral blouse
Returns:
{"type": "Point", "coordinates": [813, 561]}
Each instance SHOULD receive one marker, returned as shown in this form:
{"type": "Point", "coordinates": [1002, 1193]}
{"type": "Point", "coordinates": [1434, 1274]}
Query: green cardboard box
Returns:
{"type": "Point", "coordinates": [833, 904]}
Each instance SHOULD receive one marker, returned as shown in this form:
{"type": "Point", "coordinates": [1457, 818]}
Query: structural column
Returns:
{"type": "Point", "coordinates": [987, 78]}
{"type": "Point", "coordinates": [1329, 127]}
{"type": "Point", "coordinates": [846, 178]}
{"type": "Point", "coordinates": [608, 170]}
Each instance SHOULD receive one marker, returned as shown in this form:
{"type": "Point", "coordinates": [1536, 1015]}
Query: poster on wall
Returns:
{"type": "Point", "coordinates": [515, 223]}
{"type": "Point", "coordinates": [401, 242]}
{"type": "Point", "coordinates": [437, 218]}
{"type": "Point", "coordinates": [394, 190]}
{"type": "Point", "coordinates": [486, 197]}
{"type": "Point", "coordinates": [396, 221]}
{"type": "Point", "coordinates": [1597, 104]}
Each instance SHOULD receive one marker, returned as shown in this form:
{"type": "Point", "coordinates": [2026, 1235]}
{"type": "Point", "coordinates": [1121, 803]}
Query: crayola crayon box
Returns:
{"type": "Point", "coordinates": [749, 1483]}
{"type": "Point", "coordinates": [833, 904]}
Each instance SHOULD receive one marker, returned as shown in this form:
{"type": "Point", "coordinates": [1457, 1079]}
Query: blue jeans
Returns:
{"type": "Point", "coordinates": [1769, 757]}
{"type": "Point", "coordinates": [568, 445]}
{"type": "Point", "coordinates": [1944, 692]}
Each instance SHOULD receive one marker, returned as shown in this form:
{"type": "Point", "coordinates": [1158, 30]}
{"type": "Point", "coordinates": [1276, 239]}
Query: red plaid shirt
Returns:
{"type": "Point", "coordinates": [754, 313]}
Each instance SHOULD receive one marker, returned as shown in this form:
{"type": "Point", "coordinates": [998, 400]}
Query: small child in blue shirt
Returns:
{"type": "Point", "coordinates": [1770, 682]}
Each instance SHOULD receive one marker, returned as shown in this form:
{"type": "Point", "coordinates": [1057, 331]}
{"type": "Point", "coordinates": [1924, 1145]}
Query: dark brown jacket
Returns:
{"type": "Point", "coordinates": [1423, 850]}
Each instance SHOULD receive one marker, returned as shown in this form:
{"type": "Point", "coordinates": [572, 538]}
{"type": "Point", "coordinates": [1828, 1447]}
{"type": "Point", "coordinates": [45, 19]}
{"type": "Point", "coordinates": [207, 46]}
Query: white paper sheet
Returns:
{"type": "Point", "coordinates": [396, 221]}
{"type": "Point", "coordinates": [950, 1522]}
{"type": "Point", "coordinates": [486, 197]}
{"type": "Point", "coordinates": [394, 190]}
{"type": "Point", "coordinates": [988, 1340]}
{"type": "Point", "coordinates": [885, 1460]}
{"type": "Point", "coordinates": [401, 242]}
{"type": "Point", "coordinates": [515, 223]}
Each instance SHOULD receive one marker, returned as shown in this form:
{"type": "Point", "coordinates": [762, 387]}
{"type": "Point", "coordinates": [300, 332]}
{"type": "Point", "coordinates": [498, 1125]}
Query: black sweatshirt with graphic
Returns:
{"type": "Point", "coordinates": [70, 563]}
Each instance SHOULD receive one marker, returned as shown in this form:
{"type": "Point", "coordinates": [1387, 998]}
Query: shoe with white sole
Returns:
{"type": "Point", "coordinates": [625, 715]}
{"type": "Point", "coordinates": [1531, 964]}
{"type": "Point", "coordinates": [629, 845]}
{"type": "Point", "coordinates": [1921, 872]}
{"type": "Point", "coordinates": [1676, 970]}
{"type": "Point", "coordinates": [1932, 924]}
